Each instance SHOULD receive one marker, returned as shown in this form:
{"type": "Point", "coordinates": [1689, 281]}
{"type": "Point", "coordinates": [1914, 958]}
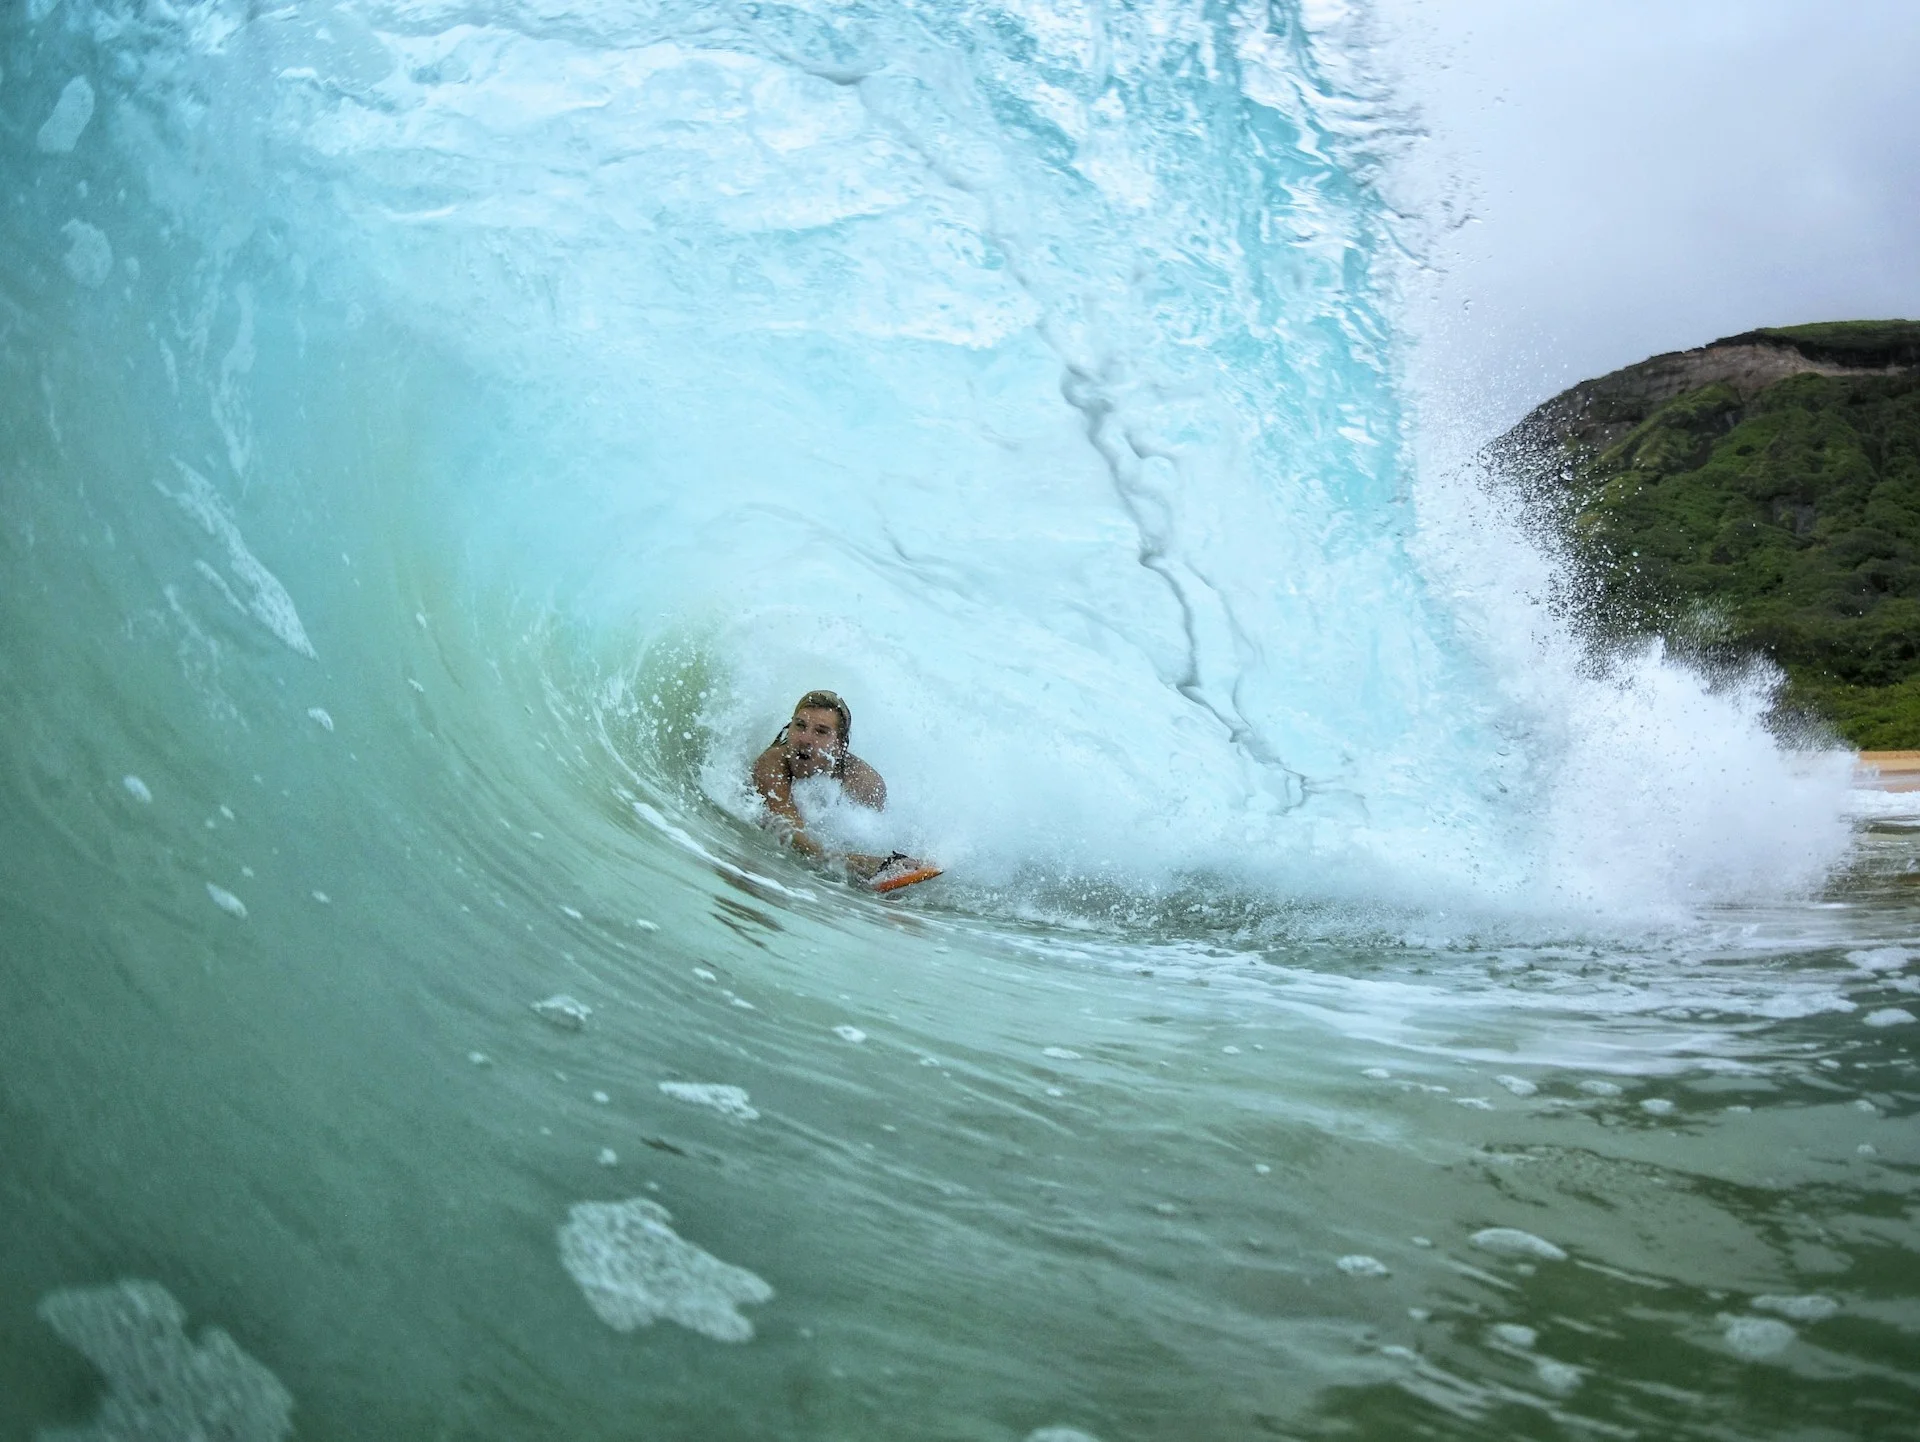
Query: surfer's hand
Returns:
{"type": "Point", "coordinates": [862, 867]}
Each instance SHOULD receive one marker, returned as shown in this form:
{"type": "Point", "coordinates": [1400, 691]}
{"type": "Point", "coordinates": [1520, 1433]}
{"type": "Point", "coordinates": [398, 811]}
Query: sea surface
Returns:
{"type": "Point", "coordinates": [438, 439]}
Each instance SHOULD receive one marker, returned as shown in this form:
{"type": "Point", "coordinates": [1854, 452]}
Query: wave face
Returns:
{"type": "Point", "coordinates": [439, 439]}
{"type": "Point", "coordinates": [1024, 376]}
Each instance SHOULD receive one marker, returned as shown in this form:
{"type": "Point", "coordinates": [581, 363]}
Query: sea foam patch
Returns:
{"type": "Point", "coordinates": [727, 1100]}
{"type": "Point", "coordinates": [161, 1383]}
{"type": "Point", "coordinates": [562, 1011]}
{"type": "Point", "coordinates": [634, 1269]}
{"type": "Point", "coordinates": [267, 601]}
{"type": "Point", "coordinates": [1512, 1242]}
{"type": "Point", "coordinates": [89, 257]}
{"type": "Point", "coordinates": [1755, 1338]}
{"type": "Point", "coordinates": [1810, 1308]}
{"type": "Point", "coordinates": [1881, 958]}
{"type": "Point", "coordinates": [72, 114]}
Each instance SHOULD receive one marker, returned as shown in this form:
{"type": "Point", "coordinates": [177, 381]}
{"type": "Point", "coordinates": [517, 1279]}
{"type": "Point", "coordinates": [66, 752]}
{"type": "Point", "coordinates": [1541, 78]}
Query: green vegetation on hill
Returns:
{"type": "Point", "coordinates": [1748, 514]}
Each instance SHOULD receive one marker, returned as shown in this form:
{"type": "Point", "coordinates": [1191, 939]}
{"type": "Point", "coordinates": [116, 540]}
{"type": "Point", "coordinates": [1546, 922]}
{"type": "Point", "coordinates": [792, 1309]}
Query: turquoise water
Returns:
{"type": "Point", "coordinates": [437, 442]}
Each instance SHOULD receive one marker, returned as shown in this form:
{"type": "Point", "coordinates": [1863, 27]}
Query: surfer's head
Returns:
{"type": "Point", "coordinates": [816, 737]}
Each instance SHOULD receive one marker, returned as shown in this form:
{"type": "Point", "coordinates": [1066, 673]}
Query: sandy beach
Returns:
{"type": "Point", "coordinates": [1888, 771]}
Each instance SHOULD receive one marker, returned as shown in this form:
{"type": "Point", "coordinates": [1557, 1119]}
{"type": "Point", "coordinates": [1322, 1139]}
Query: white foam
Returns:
{"type": "Point", "coordinates": [1060, 1434]}
{"type": "Point", "coordinates": [1792, 1005]}
{"type": "Point", "coordinates": [850, 1033]}
{"type": "Point", "coordinates": [563, 1011]}
{"type": "Point", "coordinates": [1756, 1338]}
{"type": "Point", "coordinates": [1519, 1086]}
{"type": "Point", "coordinates": [729, 1101]}
{"type": "Point", "coordinates": [1888, 1016]}
{"type": "Point", "coordinates": [137, 789]}
{"type": "Point", "coordinates": [318, 715]}
{"type": "Point", "coordinates": [1810, 1308]}
{"type": "Point", "coordinates": [1882, 958]}
{"type": "Point", "coordinates": [68, 121]}
{"type": "Point", "coordinates": [608, 1157]}
{"type": "Point", "coordinates": [634, 1269]}
{"type": "Point", "coordinates": [1512, 1242]}
{"type": "Point", "coordinates": [1512, 1334]}
{"type": "Point", "coordinates": [1600, 1088]}
{"type": "Point", "coordinates": [1358, 1264]}
{"type": "Point", "coordinates": [89, 257]}
{"type": "Point", "coordinates": [1060, 1053]}
{"type": "Point", "coordinates": [268, 602]}
{"type": "Point", "coordinates": [161, 1383]}
{"type": "Point", "coordinates": [227, 901]}
{"type": "Point", "coordinates": [572, 912]}
{"type": "Point", "coordinates": [1657, 1106]}
{"type": "Point", "coordinates": [1557, 1377]}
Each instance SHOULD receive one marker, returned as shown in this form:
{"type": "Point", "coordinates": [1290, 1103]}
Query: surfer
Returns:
{"type": "Point", "coordinates": [814, 743]}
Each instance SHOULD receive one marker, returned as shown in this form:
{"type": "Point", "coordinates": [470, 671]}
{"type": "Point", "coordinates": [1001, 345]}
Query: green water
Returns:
{"type": "Point", "coordinates": [1345, 1015]}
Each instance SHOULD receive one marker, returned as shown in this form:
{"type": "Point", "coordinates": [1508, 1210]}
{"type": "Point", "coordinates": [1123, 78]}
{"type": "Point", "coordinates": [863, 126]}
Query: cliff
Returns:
{"type": "Point", "coordinates": [1759, 494]}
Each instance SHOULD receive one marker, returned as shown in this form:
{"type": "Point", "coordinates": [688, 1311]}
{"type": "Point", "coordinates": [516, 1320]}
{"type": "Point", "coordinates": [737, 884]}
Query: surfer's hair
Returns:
{"type": "Point", "coordinates": [828, 701]}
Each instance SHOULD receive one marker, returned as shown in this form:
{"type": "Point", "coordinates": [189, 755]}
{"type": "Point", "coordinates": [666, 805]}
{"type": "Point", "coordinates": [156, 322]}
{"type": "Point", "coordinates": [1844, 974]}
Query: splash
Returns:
{"type": "Point", "coordinates": [161, 1383]}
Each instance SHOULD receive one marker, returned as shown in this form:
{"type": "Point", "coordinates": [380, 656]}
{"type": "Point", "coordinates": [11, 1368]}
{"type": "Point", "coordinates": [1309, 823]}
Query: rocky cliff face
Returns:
{"type": "Point", "coordinates": [1761, 493]}
{"type": "Point", "coordinates": [1597, 414]}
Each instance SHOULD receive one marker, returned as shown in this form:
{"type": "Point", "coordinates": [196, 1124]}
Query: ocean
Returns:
{"type": "Point", "coordinates": [437, 443]}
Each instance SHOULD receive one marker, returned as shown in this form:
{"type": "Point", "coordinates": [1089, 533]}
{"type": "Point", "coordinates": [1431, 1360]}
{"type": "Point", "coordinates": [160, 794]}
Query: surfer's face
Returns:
{"type": "Point", "coordinates": [813, 741]}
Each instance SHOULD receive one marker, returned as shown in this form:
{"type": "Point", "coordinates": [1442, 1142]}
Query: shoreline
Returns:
{"type": "Point", "coordinates": [1895, 771]}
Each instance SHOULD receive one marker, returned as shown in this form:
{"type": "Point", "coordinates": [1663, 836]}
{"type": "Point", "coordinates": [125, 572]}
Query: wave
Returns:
{"type": "Point", "coordinates": [1026, 374]}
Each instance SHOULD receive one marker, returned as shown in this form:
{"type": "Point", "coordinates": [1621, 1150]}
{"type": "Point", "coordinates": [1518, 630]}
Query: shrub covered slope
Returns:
{"type": "Point", "coordinates": [1759, 494]}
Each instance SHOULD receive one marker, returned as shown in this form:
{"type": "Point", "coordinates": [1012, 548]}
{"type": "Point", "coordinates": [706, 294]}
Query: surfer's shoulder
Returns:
{"type": "Point", "coordinates": [863, 783]}
{"type": "Point", "coordinates": [770, 770]}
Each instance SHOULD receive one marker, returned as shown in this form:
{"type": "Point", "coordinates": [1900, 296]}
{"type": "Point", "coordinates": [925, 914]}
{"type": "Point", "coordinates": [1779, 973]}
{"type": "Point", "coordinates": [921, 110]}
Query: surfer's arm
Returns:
{"type": "Point", "coordinates": [775, 786]}
{"type": "Point", "coordinates": [862, 783]}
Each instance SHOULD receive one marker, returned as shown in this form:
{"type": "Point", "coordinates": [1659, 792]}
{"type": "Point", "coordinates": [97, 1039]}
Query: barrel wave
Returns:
{"type": "Point", "coordinates": [439, 441]}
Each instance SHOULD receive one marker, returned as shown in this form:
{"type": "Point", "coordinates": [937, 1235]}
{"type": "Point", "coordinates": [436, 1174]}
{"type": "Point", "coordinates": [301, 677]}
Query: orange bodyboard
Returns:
{"type": "Point", "coordinates": [905, 872]}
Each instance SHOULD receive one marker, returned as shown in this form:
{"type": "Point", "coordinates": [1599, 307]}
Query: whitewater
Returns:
{"type": "Point", "coordinates": [437, 443]}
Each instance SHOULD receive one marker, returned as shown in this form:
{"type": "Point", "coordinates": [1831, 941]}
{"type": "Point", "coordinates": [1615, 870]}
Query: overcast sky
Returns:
{"type": "Point", "coordinates": [1648, 175]}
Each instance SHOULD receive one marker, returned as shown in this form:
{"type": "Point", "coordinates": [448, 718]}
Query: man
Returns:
{"type": "Point", "coordinates": [814, 743]}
